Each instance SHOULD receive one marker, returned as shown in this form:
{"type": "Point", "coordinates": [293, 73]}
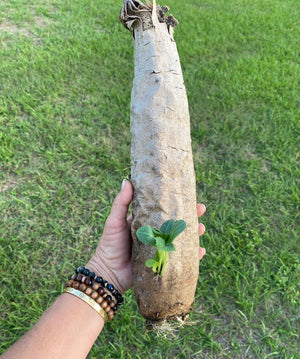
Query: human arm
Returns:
{"type": "Point", "coordinates": [69, 328]}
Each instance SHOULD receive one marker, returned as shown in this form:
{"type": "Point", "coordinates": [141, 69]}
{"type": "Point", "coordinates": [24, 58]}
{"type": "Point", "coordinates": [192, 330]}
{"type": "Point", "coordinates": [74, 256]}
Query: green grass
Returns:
{"type": "Point", "coordinates": [65, 80]}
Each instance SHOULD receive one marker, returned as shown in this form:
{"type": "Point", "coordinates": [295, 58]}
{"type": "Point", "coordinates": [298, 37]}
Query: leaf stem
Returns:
{"type": "Point", "coordinates": [163, 256]}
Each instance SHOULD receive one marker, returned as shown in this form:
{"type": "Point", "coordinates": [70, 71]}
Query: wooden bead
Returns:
{"type": "Point", "coordinates": [82, 287]}
{"type": "Point", "coordinates": [76, 285]}
{"type": "Point", "coordinates": [94, 295]}
{"type": "Point", "coordinates": [107, 309]}
{"type": "Point", "coordinates": [88, 281]}
{"type": "Point", "coordinates": [110, 316]}
{"type": "Point", "coordinates": [73, 276]}
{"type": "Point", "coordinates": [69, 283]}
{"type": "Point", "coordinates": [112, 304]}
{"type": "Point", "coordinates": [79, 277]}
{"type": "Point", "coordinates": [110, 312]}
{"type": "Point", "coordinates": [101, 291]}
{"type": "Point", "coordinates": [104, 304]}
{"type": "Point", "coordinates": [99, 300]}
{"type": "Point", "coordinates": [88, 290]}
{"type": "Point", "coordinates": [108, 298]}
{"type": "Point", "coordinates": [96, 286]}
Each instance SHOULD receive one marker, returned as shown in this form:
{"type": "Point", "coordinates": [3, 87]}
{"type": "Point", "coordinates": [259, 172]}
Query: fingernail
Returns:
{"type": "Point", "coordinates": [123, 184]}
{"type": "Point", "coordinates": [203, 226]}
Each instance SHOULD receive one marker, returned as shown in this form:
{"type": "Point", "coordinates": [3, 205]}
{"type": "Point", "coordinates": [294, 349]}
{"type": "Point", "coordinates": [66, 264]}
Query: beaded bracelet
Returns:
{"type": "Point", "coordinates": [83, 283]}
{"type": "Point", "coordinates": [94, 287]}
{"type": "Point", "coordinates": [96, 294]}
{"type": "Point", "coordinates": [92, 277]}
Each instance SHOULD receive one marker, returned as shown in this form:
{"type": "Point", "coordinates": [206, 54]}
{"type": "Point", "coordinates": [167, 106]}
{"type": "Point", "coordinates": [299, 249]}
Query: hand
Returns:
{"type": "Point", "coordinates": [112, 259]}
{"type": "Point", "coordinates": [200, 211]}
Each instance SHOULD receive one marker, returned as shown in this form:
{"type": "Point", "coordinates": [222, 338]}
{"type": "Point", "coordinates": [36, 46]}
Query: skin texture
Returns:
{"type": "Point", "coordinates": [53, 335]}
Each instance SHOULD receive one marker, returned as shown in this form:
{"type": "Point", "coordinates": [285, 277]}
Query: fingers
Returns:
{"type": "Point", "coordinates": [202, 252]}
{"type": "Point", "coordinates": [201, 229]}
{"type": "Point", "coordinates": [200, 209]}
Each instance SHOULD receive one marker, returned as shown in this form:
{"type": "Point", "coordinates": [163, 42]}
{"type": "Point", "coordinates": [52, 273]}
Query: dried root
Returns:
{"type": "Point", "coordinates": [132, 11]}
{"type": "Point", "coordinates": [168, 328]}
{"type": "Point", "coordinates": [135, 10]}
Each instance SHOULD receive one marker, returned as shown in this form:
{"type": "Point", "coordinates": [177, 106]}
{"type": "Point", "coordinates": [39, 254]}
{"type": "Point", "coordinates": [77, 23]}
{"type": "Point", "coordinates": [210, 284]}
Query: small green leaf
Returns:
{"type": "Point", "coordinates": [150, 263]}
{"type": "Point", "coordinates": [160, 243]}
{"type": "Point", "coordinates": [167, 227]}
{"type": "Point", "coordinates": [146, 235]}
{"type": "Point", "coordinates": [178, 227]}
{"type": "Point", "coordinates": [156, 231]}
{"type": "Point", "coordinates": [169, 247]}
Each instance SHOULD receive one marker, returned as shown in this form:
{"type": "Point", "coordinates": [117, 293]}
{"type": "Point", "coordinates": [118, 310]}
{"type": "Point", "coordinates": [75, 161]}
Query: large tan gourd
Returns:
{"type": "Point", "coordinates": [162, 170]}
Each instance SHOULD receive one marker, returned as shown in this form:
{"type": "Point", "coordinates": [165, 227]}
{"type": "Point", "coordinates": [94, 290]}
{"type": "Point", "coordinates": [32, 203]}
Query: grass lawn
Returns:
{"type": "Point", "coordinates": [66, 71]}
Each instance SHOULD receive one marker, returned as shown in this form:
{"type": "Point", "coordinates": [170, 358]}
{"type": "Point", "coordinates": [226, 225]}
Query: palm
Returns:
{"type": "Point", "coordinates": [115, 249]}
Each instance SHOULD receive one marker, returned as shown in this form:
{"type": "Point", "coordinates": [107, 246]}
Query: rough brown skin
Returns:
{"type": "Point", "coordinates": [162, 170]}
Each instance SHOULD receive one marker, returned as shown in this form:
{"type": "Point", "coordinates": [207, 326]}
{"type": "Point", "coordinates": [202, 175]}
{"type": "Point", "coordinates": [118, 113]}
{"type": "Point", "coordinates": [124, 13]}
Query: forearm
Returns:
{"type": "Point", "coordinates": [67, 329]}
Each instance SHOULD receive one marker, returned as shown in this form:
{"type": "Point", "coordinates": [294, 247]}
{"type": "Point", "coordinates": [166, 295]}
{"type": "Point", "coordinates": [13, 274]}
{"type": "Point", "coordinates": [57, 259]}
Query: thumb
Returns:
{"type": "Point", "coordinates": [121, 203]}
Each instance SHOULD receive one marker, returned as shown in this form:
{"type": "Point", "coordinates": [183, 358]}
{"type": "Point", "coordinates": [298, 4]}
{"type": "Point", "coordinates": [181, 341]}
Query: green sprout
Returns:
{"type": "Point", "coordinates": [162, 240]}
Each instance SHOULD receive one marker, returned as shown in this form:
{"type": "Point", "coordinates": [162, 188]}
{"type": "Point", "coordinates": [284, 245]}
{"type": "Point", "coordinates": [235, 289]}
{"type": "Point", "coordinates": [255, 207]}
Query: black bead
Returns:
{"type": "Point", "coordinates": [105, 283]}
{"type": "Point", "coordinates": [115, 292]}
{"type": "Point", "coordinates": [80, 269]}
{"type": "Point", "coordinates": [86, 272]}
{"type": "Point", "coordinates": [70, 277]}
{"type": "Point", "coordinates": [108, 298]}
{"type": "Point", "coordinates": [115, 308]}
{"type": "Point", "coordinates": [99, 280]}
{"type": "Point", "coordinates": [110, 287]}
{"type": "Point", "coordinates": [92, 275]}
{"type": "Point", "coordinates": [120, 299]}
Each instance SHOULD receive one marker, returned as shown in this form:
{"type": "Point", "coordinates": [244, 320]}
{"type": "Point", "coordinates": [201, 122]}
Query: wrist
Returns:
{"type": "Point", "coordinates": [100, 269]}
{"type": "Point", "coordinates": [96, 291]}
